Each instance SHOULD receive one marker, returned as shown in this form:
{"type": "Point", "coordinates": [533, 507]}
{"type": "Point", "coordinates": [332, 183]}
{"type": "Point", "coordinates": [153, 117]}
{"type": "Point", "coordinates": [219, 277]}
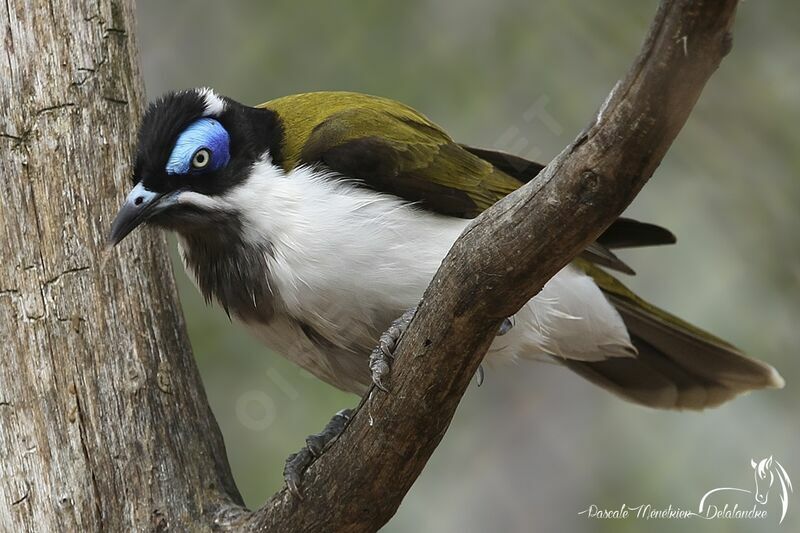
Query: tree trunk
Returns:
{"type": "Point", "coordinates": [103, 422]}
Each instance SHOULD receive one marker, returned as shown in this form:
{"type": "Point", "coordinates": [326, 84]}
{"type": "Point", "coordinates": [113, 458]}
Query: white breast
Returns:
{"type": "Point", "coordinates": [346, 261]}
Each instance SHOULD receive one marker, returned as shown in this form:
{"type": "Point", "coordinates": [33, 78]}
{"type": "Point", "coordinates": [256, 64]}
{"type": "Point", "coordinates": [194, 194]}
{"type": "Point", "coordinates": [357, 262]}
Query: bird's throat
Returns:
{"type": "Point", "coordinates": [231, 272]}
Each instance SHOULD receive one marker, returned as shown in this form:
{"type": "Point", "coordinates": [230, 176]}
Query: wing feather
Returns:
{"type": "Point", "coordinates": [392, 148]}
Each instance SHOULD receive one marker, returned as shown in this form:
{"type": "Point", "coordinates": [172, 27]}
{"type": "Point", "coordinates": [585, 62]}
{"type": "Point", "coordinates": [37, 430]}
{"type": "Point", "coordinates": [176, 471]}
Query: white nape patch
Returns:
{"type": "Point", "coordinates": [214, 104]}
{"type": "Point", "coordinates": [346, 261]}
{"type": "Point", "coordinates": [202, 201]}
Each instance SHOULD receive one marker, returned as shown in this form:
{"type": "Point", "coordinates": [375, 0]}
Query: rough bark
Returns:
{"type": "Point", "coordinates": [103, 422]}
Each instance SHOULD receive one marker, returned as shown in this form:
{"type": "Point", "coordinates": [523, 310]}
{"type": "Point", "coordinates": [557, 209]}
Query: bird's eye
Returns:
{"type": "Point", "coordinates": [201, 158]}
{"type": "Point", "coordinates": [204, 146]}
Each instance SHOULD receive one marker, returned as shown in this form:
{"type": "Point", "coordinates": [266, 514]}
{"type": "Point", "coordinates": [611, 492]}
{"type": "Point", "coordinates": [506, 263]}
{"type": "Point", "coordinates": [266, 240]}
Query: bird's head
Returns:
{"type": "Point", "coordinates": [194, 146]}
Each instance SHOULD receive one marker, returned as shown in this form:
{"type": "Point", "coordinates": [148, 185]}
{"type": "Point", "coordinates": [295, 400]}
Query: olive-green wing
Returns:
{"type": "Point", "coordinates": [513, 165]}
{"type": "Point", "coordinates": [406, 155]}
{"type": "Point", "coordinates": [391, 148]}
{"type": "Point", "coordinates": [623, 232]}
{"type": "Point", "coordinates": [394, 149]}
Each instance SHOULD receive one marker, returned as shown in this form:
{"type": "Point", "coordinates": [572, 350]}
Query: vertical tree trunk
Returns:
{"type": "Point", "coordinates": [95, 367]}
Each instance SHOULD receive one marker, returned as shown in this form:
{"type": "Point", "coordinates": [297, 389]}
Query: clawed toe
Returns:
{"type": "Point", "coordinates": [479, 375]}
{"type": "Point", "coordinates": [379, 367]}
{"type": "Point", "coordinates": [505, 326]}
{"type": "Point", "coordinates": [380, 360]}
{"type": "Point", "coordinates": [297, 463]}
{"type": "Point", "coordinates": [293, 470]}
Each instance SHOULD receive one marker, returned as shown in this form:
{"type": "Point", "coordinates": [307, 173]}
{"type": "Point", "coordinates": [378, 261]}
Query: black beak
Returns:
{"type": "Point", "coordinates": [140, 205]}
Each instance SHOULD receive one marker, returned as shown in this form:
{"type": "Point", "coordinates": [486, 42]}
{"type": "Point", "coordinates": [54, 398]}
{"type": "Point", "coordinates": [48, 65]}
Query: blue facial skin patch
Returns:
{"type": "Point", "coordinates": [202, 133]}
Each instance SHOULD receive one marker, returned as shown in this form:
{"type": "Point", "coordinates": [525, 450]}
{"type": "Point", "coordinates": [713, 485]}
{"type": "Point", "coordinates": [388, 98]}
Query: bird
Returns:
{"type": "Point", "coordinates": [317, 219]}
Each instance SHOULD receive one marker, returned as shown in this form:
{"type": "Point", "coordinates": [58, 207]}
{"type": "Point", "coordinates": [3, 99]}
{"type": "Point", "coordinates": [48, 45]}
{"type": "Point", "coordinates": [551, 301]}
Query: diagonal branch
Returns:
{"type": "Point", "coordinates": [501, 261]}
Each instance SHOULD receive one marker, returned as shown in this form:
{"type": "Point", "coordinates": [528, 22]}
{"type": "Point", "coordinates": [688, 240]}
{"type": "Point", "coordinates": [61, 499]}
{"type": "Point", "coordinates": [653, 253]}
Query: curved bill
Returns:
{"type": "Point", "coordinates": [139, 205]}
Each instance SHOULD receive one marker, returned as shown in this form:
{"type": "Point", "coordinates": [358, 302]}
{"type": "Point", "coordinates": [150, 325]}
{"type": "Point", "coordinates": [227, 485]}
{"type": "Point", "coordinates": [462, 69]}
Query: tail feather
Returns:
{"type": "Point", "coordinates": [678, 366]}
{"type": "Point", "coordinates": [704, 356]}
{"type": "Point", "coordinates": [652, 380]}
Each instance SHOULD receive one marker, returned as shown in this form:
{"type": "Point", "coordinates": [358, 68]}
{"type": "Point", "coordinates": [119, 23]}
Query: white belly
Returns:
{"type": "Point", "coordinates": [346, 261]}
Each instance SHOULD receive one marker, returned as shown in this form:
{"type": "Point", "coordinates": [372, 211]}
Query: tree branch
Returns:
{"type": "Point", "coordinates": [501, 261]}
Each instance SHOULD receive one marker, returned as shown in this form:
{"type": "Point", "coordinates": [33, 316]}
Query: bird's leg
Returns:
{"type": "Point", "coordinates": [380, 360]}
{"type": "Point", "coordinates": [297, 463]}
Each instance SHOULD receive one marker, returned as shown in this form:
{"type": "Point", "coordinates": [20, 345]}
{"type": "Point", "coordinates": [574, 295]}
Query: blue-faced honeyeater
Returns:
{"type": "Point", "coordinates": [317, 219]}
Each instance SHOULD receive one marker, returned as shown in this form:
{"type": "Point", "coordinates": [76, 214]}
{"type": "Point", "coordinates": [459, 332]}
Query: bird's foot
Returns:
{"type": "Point", "coordinates": [505, 326]}
{"type": "Point", "coordinates": [380, 360]}
{"type": "Point", "coordinates": [297, 463]}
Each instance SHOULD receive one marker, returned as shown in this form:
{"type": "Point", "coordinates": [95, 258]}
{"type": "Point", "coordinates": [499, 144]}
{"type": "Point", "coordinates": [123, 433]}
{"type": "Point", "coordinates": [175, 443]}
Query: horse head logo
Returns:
{"type": "Point", "coordinates": [766, 472]}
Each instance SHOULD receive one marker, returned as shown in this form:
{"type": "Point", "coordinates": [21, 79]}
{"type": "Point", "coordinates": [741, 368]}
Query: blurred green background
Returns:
{"type": "Point", "coordinates": [535, 444]}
